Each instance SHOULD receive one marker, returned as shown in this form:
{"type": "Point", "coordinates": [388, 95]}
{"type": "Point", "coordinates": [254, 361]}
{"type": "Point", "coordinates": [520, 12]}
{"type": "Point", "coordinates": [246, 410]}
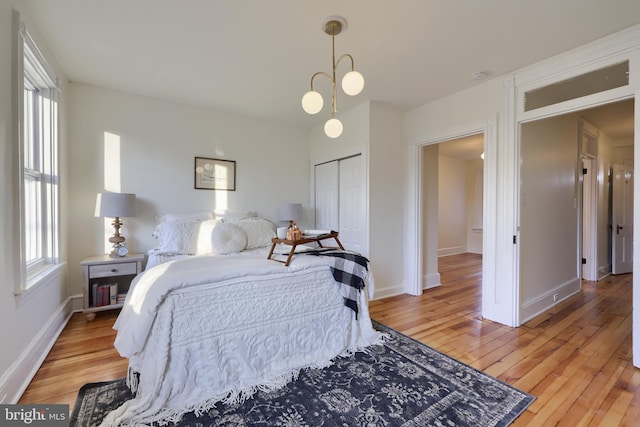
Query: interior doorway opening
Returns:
{"type": "Point", "coordinates": [452, 204]}
{"type": "Point", "coordinates": [566, 217]}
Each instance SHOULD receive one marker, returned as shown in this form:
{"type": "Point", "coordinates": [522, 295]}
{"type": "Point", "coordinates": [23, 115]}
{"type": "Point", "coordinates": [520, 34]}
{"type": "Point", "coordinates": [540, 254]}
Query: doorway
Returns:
{"type": "Point", "coordinates": [553, 223]}
{"type": "Point", "coordinates": [452, 198]}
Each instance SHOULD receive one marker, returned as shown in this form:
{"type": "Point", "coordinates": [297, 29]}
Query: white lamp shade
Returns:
{"type": "Point", "coordinates": [352, 83]}
{"type": "Point", "coordinates": [112, 205]}
{"type": "Point", "coordinates": [333, 128]}
{"type": "Point", "coordinates": [290, 212]}
{"type": "Point", "coordinates": [312, 102]}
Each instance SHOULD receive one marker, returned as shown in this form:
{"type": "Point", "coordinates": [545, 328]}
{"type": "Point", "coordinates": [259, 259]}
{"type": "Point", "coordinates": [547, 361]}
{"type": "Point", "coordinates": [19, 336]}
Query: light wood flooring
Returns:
{"type": "Point", "coordinates": [575, 358]}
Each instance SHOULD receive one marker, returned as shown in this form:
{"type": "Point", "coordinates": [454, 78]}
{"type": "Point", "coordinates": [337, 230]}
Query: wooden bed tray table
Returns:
{"type": "Point", "coordinates": [304, 240]}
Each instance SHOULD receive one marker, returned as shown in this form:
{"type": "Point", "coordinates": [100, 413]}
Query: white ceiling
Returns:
{"type": "Point", "coordinates": [256, 57]}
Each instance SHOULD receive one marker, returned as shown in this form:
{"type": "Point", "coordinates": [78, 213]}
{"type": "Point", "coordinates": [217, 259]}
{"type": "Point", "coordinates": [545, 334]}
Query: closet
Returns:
{"type": "Point", "coordinates": [340, 200]}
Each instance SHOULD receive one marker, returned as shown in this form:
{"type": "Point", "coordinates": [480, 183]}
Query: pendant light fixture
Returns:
{"type": "Point", "coordinates": [352, 82]}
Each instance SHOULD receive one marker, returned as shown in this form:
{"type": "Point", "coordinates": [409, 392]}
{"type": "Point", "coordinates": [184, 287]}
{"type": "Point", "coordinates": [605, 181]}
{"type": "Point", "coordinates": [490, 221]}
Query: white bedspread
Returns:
{"type": "Point", "coordinates": [212, 328]}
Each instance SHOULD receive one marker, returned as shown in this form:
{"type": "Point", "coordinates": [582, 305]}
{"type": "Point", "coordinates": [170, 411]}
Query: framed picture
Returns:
{"type": "Point", "coordinates": [214, 174]}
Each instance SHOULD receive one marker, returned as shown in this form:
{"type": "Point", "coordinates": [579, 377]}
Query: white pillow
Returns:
{"type": "Point", "coordinates": [192, 237]}
{"type": "Point", "coordinates": [178, 236]}
{"type": "Point", "coordinates": [259, 231]}
{"type": "Point", "coordinates": [229, 238]}
{"type": "Point", "coordinates": [203, 243]}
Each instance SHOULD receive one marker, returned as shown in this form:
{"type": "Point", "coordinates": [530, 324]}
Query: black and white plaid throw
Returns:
{"type": "Point", "coordinates": [348, 269]}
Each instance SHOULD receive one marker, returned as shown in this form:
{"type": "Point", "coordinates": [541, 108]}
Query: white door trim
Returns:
{"type": "Point", "coordinates": [624, 45]}
{"type": "Point", "coordinates": [414, 242]}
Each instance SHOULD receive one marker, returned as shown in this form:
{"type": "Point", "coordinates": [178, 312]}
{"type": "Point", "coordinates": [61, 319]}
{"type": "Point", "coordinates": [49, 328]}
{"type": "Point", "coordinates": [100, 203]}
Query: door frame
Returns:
{"type": "Point", "coordinates": [590, 194]}
{"type": "Point", "coordinates": [611, 50]}
{"type": "Point", "coordinates": [589, 219]}
{"type": "Point", "coordinates": [415, 242]}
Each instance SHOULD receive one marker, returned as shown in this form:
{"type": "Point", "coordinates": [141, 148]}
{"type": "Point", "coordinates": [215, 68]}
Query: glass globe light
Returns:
{"type": "Point", "coordinates": [352, 83]}
{"type": "Point", "coordinates": [333, 128]}
{"type": "Point", "coordinates": [312, 102]}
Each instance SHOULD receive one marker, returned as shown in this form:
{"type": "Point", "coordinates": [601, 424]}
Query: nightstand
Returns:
{"type": "Point", "coordinates": [107, 280]}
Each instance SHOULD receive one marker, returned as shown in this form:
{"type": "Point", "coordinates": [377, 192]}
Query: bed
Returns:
{"type": "Point", "coordinates": [219, 326]}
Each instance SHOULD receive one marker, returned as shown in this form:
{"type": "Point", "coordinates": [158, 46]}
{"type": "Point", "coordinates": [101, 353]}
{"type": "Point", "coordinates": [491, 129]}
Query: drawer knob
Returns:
{"type": "Point", "coordinates": [113, 270]}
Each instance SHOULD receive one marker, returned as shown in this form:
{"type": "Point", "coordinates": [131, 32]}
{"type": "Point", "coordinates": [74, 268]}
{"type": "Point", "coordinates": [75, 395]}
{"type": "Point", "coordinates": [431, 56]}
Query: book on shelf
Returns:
{"type": "Point", "coordinates": [113, 293]}
{"type": "Point", "coordinates": [121, 297]}
{"type": "Point", "coordinates": [104, 294]}
{"type": "Point", "coordinates": [94, 295]}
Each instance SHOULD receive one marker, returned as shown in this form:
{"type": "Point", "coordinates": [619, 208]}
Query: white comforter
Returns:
{"type": "Point", "coordinates": [213, 328]}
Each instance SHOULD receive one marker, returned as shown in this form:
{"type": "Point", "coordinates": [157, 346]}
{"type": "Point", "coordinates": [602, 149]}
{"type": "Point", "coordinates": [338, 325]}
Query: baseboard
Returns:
{"type": "Point", "coordinates": [542, 303]}
{"type": "Point", "coordinates": [431, 281]}
{"type": "Point", "coordinates": [17, 378]}
{"type": "Point", "coordinates": [386, 292]}
{"type": "Point", "coordinates": [454, 250]}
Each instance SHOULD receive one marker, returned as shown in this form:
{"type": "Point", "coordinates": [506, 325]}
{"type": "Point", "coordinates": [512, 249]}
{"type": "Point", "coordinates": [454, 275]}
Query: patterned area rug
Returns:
{"type": "Point", "coordinates": [403, 383]}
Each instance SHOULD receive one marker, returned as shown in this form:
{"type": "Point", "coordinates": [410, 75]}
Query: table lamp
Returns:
{"type": "Point", "coordinates": [290, 212]}
{"type": "Point", "coordinates": [116, 206]}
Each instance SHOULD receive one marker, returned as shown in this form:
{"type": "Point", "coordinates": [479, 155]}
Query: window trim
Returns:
{"type": "Point", "coordinates": [32, 66]}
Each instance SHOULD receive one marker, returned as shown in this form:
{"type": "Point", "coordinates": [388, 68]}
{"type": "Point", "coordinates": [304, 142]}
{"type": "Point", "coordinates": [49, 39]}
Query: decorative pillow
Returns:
{"type": "Point", "coordinates": [259, 231]}
{"type": "Point", "coordinates": [198, 216]}
{"type": "Point", "coordinates": [178, 236]}
{"type": "Point", "coordinates": [186, 236]}
{"type": "Point", "coordinates": [203, 243]}
{"type": "Point", "coordinates": [229, 238]}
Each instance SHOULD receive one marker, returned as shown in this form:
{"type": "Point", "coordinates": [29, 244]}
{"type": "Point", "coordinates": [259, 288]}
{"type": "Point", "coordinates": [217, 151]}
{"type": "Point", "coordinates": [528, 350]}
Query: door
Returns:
{"type": "Point", "coordinates": [352, 204]}
{"type": "Point", "coordinates": [622, 219]}
{"type": "Point", "coordinates": [340, 200]}
{"type": "Point", "coordinates": [326, 196]}
{"type": "Point", "coordinates": [550, 262]}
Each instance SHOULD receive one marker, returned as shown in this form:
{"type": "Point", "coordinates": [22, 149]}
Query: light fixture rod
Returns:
{"type": "Point", "coordinates": [334, 99]}
{"type": "Point", "coordinates": [319, 73]}
{"type": "Point", "coordinates": [342, 57]}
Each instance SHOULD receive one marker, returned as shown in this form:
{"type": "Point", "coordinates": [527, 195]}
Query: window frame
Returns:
{"type": "Point", "coordinates": [37, 162]}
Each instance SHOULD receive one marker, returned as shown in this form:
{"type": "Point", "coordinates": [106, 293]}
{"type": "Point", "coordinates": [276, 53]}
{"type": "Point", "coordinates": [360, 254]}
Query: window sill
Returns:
{"type": "Point", "coordinates": [39, 281]}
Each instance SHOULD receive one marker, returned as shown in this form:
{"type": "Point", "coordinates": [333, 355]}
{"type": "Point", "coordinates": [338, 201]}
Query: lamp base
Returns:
{"type": "Point", "coordinates": [119, 247]}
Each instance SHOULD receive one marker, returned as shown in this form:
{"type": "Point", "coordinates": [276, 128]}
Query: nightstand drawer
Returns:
{"type": "Point", "coordinates": [116, 269]}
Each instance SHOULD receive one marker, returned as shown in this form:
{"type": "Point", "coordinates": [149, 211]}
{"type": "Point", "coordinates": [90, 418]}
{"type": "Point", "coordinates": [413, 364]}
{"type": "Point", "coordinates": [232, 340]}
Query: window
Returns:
{"type": "Point", "coordinates": [607, 78]}
{"type": "Point", "coordinates": [38, 139]}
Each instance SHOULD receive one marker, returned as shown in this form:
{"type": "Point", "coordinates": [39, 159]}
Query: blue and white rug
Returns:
{"type": "Point", "coordinates": [403, 383]}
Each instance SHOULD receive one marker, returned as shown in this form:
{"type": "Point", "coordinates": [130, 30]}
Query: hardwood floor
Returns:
{"type": "Point", "coordinates": [575, 358]}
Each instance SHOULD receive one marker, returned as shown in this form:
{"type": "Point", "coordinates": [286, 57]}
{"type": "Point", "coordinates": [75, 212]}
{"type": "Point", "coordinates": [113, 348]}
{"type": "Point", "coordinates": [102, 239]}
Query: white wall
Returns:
{"type": "Point", "coordinates": [452, 205]}
{"type": "Point", "coordinates": [475, 191]}
{"type": "Point", "coordinates": [158, 141]}
{"type": "Point", "coordinates": [430, 189]}
{"type": "Point", "coordinates": [386, 198]}
{"type": "Point", "coordinates": [459, 205]}
{"type": "Point", "coordinates": [31, 321]}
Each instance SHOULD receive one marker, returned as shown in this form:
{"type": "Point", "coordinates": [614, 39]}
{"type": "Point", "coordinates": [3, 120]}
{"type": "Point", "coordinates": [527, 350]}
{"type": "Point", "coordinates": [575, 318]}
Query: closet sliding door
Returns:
{"type": "Point", "coordinates": [340, 200]}
{"type": "Point", "coordinates": [327, 196]}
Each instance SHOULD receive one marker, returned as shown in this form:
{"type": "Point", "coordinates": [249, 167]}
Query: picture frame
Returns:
{"type": "Point", "coordinates": [214, 174]}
